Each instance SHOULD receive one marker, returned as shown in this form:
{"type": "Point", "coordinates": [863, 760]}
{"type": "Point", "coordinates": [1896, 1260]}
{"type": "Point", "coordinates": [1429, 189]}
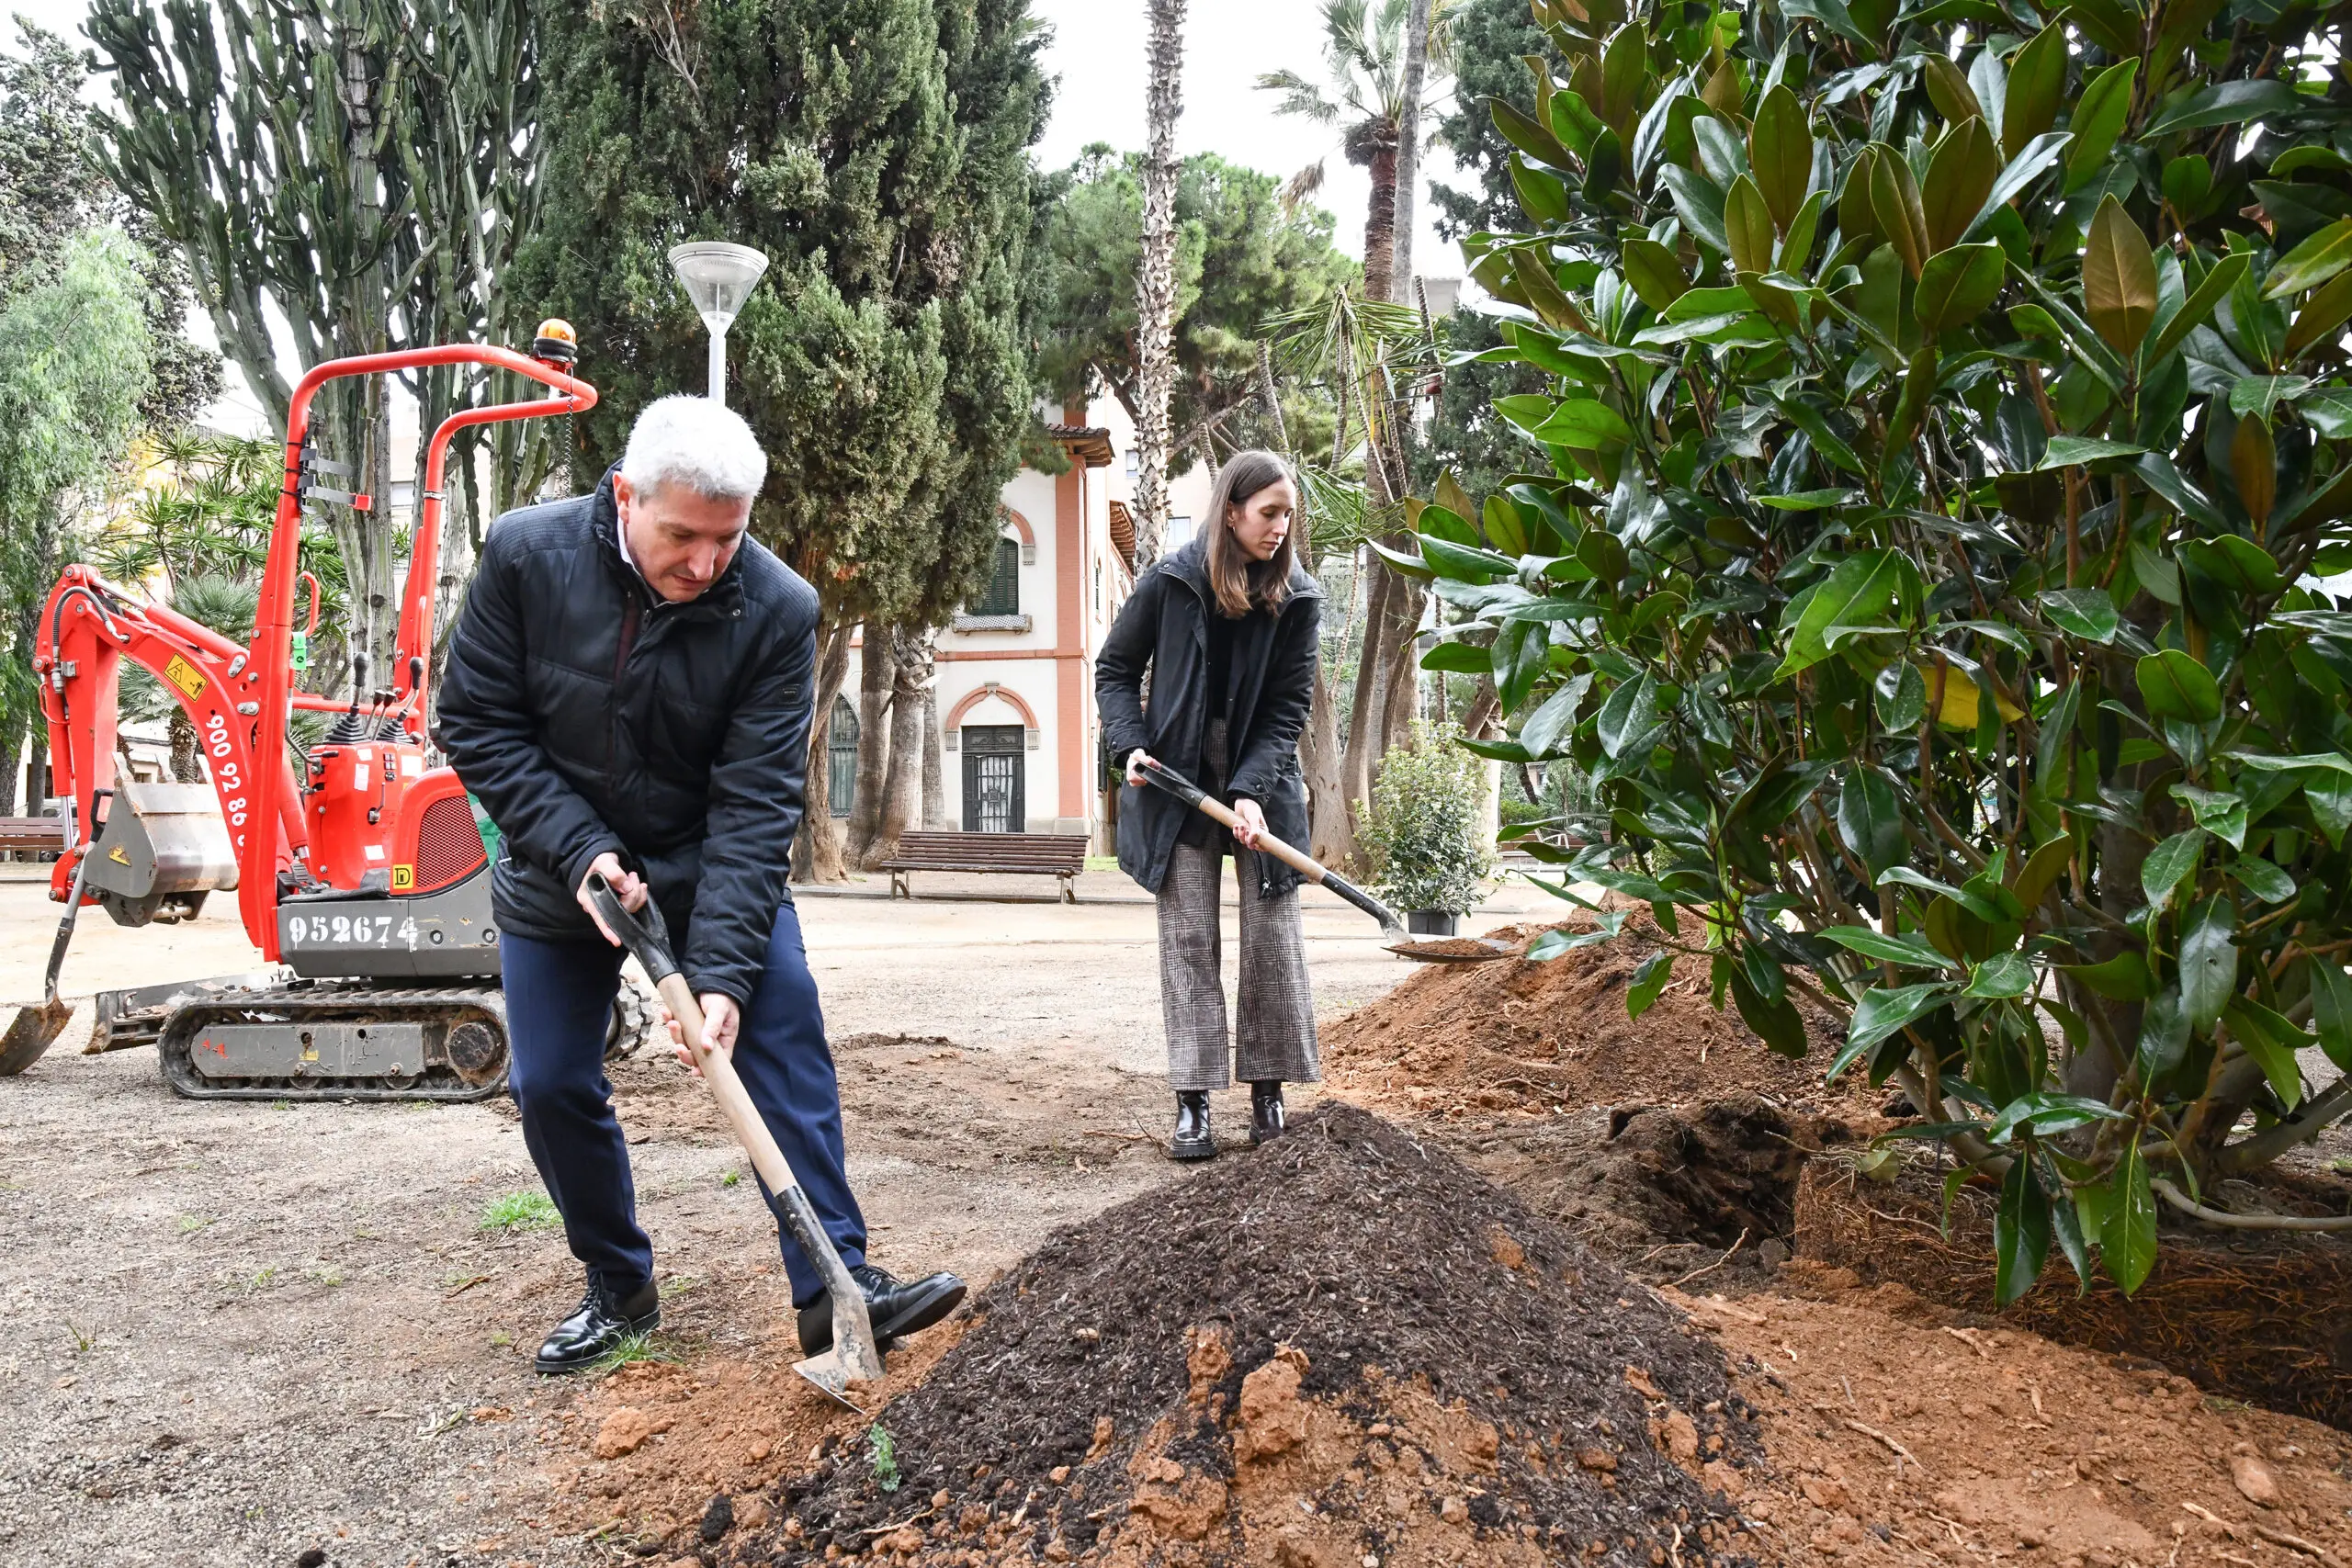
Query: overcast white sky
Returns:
{"type": "Point", "coordinates": [1097, 54]}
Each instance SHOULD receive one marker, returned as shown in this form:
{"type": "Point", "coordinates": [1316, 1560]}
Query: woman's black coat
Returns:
{"type": "Point", "coordinates": [1165, 626]}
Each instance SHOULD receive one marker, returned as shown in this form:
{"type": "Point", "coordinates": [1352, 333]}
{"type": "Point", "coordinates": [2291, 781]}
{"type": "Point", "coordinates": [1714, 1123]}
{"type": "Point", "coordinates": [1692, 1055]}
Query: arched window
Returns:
{"type": "Point", "coordinates": [841, 759]}
{"type": "Point", "coordinates": [1003, 594]}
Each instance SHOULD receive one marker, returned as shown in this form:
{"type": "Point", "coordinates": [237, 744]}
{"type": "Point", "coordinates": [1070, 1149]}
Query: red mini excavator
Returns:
{"type": "Point", "coordinates": [359, 869]}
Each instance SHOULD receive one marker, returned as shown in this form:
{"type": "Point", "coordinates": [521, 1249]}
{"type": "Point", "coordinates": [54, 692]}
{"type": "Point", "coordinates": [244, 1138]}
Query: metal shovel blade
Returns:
{"type": "Point", "coordinates": [30, 1032]}
{"type": "Point", "coordinates": [852, 1359]}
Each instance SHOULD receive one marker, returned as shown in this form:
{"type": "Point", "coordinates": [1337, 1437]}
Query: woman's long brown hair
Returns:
{"type": "Point", "coordinates": [1240, 583]}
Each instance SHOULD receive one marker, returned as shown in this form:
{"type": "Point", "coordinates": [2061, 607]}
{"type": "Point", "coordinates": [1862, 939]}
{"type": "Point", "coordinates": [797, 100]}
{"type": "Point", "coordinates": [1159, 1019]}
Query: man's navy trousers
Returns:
{"type": "Point", "coordinates": [559, 994]}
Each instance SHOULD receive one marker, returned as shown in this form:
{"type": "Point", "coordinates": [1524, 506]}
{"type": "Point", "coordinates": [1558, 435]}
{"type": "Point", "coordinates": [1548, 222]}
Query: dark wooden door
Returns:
{"type": "Point", "coordinates": [994, 797]}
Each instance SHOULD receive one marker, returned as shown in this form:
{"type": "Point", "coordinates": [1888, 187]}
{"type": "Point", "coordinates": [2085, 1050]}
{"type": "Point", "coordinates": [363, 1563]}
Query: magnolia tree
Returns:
{"type": "Point", "coordinates": [1939, 466]}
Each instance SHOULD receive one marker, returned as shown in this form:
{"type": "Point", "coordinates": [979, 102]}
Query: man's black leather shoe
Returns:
{"type": "Point", "coordinates": [1266, 1123]}
{"type": "Point", "coordinates": [896, 1310]}
{"type": "Point", "coordinates": [1191, 1139]}
{"type": "Point", "coordinates": [598, 1324]}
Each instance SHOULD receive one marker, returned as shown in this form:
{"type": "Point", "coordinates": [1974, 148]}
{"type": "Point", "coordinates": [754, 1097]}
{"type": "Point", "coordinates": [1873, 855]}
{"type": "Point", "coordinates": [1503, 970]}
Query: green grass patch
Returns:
{"type": "Point", "coordinates": [520, 1212]}
{"type": "Point", "coordinates": [633, 1348]}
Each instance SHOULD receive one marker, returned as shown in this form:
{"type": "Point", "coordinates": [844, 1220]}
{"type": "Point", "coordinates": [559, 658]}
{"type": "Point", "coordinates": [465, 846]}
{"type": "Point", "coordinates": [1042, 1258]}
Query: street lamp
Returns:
{"type": "Point", "coordinates": [717, 277]}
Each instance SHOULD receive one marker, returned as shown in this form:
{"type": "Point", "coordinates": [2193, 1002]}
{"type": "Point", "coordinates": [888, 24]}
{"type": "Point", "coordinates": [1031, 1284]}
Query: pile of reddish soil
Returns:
{"type": "Point", "coordinates": [1343, 1346]}
{"type": "Point", "coordinates": [1902, 1433]}
{"type": "Point", "coordinates": [1468, 1041]}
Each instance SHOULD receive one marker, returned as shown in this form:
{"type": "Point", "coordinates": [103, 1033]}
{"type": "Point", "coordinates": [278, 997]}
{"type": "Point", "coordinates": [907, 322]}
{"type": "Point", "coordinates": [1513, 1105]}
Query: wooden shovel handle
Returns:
{"type": "Point", "coordinates": [717, 1070]}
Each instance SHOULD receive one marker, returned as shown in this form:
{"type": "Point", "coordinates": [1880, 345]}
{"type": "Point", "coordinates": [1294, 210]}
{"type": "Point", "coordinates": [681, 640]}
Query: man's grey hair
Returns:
{"type": "Point", "coordinates": [690, 441]}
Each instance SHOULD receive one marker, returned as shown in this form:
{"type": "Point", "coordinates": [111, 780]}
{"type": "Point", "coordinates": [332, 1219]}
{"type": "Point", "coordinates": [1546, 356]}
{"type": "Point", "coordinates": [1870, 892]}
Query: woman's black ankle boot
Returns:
{"type": "Point", "coordinates": [1266, 1122]}
{"type": "Point", "coordinates": [1191, 1139]}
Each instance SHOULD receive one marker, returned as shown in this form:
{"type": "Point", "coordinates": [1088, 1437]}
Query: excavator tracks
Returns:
{"type": "Point", "coordinates": [336, 1039]}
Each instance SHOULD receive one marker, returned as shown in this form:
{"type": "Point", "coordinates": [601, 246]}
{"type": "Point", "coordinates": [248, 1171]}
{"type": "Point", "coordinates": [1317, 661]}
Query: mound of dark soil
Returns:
{"type": "Point", "coordinates": [1342, 1347]}
{"type": "Point", "coordinates": [1468, 1041]}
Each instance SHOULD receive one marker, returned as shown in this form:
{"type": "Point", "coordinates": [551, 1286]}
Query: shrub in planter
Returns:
{"type": "Point", "coordinates": [1427, 848]}
{"type": "Point", "coordinates": [1914, 553]}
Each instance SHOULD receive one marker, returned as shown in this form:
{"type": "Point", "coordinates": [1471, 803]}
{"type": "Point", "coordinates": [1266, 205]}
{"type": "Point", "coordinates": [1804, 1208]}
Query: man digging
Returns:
{"type": "Point", "coordinates": [628, 694]}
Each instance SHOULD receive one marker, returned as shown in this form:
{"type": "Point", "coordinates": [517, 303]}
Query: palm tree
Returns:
{"type": "Point", "coordinates": [1368, 46]}
{"type": "Point", "coordinates": [1156, 275]}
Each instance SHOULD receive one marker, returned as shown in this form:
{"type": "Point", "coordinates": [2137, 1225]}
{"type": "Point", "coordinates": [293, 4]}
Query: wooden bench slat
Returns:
{"type": "Point", "coordinates": [1061, 855]}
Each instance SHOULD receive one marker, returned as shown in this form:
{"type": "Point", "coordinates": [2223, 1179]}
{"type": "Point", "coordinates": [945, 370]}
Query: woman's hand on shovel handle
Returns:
{"type": "Point", "coordinates": [1252, 823]}
{"type": "Point", "coordinates": [720, 1020]}
{"type": "Point", "coordinates": [1136, 759]}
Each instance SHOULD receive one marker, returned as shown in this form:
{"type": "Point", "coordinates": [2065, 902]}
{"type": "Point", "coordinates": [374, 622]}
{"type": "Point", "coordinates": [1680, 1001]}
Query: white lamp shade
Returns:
{"type": "Point", "coordinates": [717, 277]}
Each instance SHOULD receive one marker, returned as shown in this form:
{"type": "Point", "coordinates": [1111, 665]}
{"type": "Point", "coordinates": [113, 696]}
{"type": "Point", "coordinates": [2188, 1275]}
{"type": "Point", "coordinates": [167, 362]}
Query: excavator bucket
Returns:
{"type": "Point", "coordinates": [36, 1028]}
{"type": "Point", "coordinates": [32, 1032]}
{"type": "Point", "coordinates": [161, 850]}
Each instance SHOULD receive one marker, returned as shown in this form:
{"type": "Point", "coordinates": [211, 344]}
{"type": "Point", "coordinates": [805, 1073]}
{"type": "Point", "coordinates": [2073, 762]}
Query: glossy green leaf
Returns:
{"type": "Point", "coordinates": [2331, 1010]}
{"type": "Point", "coordinates": [1956, 285]}
{"type": "Point", "coordinates": [2098, 119]}
{"type": "Point", "coordinates": [1912, 951]}
{"type": "Point", "coordinates": [2218, 812]}
{"type": "Point", "coordinates": [2085, 613]}
{"type": "Point", "coordinates": [2226, 103]}
{"type": "Point", "coordinates": [2175, 685]}
{"type": "Point", "coordinates": [2272, 1042]}
{"type": "Point", "coordinates": [1860, 591]}
{"type": "Point", "coordinates": [1779, 154]}
{"type": "Point", "coordinates": [2021, 1234]}
{"type": "Point", "coordinates": [1870, 819]}
{"type": "Point", "coordinates": [2126, 1241]}
{"type": "Point", "coordinates": [2208, 960]}
{"type": "Point", "coordinates": [1960, 177]}
{"type": "Point", "coordinates": [1649, 978]}
{"type": "Point", "coordinates": [1882, 1012]}
{"type": "Point", "coordinates": [2262, 879]}
{"type": "Point", "coordinates": [2003, 974]}
{"type": "Point", "coordinates": [2167, 864]}
{"type": "Point", "coordinates": [2037, 87]}
{"type": "Point", "coordinates": [2311, 262]}
{"type": "Point", "coordinates": [2122, 979]}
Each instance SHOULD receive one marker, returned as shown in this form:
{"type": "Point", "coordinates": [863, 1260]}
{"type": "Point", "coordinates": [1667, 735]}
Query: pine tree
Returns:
{"type": "Point", "coordinates": [874, 150]}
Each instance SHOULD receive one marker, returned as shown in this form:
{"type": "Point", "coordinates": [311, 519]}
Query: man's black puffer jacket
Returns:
{"type": "Point", "coordinates": [589, 714]}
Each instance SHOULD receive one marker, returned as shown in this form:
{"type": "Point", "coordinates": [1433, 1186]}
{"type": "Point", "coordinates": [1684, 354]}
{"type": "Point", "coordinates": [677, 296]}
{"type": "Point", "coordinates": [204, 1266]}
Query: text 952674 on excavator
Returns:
{"type": "Point", "coordinates": [359, 869]}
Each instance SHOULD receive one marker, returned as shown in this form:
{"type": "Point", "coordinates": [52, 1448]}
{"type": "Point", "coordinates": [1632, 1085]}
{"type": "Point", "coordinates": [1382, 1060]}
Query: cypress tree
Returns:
{"type": "Point", "coordinates": [876, 150]}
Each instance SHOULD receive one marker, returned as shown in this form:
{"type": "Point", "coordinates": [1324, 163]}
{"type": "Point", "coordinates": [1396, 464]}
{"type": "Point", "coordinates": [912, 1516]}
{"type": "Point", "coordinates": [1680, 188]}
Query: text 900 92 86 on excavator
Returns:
{"type": "Point", "coordinates": [358, 867]}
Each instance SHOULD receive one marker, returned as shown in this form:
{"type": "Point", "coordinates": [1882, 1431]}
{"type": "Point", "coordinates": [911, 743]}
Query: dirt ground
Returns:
{"type": "Point", "coordinates": [245, 1334]}
{"type": "Point", "coordinates": [242, 1332]}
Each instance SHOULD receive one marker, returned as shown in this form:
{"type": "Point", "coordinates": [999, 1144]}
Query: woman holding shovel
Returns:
{"type": "Point", "coordinates": [1226, 631]}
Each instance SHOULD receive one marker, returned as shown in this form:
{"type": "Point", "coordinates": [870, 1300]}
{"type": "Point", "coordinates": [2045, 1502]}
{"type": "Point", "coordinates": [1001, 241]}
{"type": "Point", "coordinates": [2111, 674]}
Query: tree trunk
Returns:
{"type": "Point", "coordinates": [817, 848]}
{"type": "Point", "coordinates": [186, 769]}
{"type": "Point", "coordinates": [12, 758]}
{"type": "Point", "coordinates": [935, 765]}
{"type": "Point", "coordinates": [874, 674]}
{"type": "Point", "coordinates": [1408, 146]}
{"type": "Point", "coordinates": [1405, 603]}
{"type": "Point", "coordinates": [1368, 713]}
{"type": "Point", "coordinates": [1156, 276]}
{"type": "Point", "coordinates": [902, 786]}
{"type": "Point", "coordinates": [1330, 835]}
{"type": "Point", "coordinates": [1380, 227]}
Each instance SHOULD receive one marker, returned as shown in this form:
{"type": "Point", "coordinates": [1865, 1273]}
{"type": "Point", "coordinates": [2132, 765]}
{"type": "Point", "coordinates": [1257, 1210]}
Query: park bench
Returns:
{"type": "Point", "coordinates": [32, 835]}
{"type": "Point", "coordinates": [1061, 855]}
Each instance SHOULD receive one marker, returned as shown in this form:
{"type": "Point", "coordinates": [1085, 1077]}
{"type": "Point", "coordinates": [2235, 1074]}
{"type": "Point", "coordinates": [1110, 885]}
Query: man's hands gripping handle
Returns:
{"type": "Point", "coordinates": [637, 924]}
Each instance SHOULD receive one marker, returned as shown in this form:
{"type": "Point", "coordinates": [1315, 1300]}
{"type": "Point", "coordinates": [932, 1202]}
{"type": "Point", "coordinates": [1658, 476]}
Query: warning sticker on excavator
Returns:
{"type": "Point", "coordinates": [116, 855]}
{"type": "Point", "coordinates": [404, 879]}
{"type": "Point", "coordinates": [182, 674]}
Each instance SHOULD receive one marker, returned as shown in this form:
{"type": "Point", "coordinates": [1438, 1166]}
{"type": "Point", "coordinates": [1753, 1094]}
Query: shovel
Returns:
{"type": "Point", "coordinates": [1168, 779]}
{"type": "Point", "coordinates": [34, 1029]}
{"type": "Point", "coordinates": [853, 1358]}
